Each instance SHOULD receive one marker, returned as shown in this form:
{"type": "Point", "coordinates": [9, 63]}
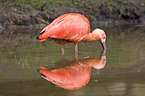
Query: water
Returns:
{"type": "Point", "coordinates": [120, 74]}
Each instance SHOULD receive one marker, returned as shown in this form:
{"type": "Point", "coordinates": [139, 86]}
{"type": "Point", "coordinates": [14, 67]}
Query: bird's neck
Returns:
{"type": "Point", "coordinates": [90, 37]}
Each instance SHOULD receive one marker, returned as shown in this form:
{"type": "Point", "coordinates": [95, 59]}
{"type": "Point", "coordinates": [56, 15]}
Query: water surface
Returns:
{"type": "Point", "coordinates": [122, 74]}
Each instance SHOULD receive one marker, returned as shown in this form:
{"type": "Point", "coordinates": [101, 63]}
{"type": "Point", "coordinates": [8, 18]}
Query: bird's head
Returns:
{"type": "Point", "coordinates": [100, 34]}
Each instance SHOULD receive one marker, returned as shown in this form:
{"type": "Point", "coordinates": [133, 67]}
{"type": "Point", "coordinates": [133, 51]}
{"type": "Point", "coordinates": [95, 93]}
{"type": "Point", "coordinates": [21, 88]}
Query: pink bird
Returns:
{"type": "Point", "coordinates": [75, 74]}
{"type": "Point", "coordinates": [71, 28]}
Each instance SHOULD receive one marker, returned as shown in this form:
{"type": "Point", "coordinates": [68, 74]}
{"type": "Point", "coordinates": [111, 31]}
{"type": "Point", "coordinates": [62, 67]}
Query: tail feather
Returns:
{"type": "Point", "coordinates": [40, 37]}
{"type": "Point", "coordinates": [42, 68]}
{"type": "Point", "coordinates": [40, 40]}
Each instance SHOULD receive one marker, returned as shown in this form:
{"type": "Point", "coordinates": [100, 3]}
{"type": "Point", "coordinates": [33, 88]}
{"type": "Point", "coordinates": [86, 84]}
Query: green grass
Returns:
{"type": "Point", "coordinates": [37, 4]}
{"type": "Point", "coordinates": [81, 3]}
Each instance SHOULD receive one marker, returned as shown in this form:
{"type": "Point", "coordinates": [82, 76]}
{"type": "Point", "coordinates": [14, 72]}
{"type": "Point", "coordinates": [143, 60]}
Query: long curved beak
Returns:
{"type": "Point", "coordinates": [104, 46]}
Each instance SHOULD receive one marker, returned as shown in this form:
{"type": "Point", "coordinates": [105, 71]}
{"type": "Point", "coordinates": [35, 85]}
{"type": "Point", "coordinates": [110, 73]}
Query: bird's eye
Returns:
{"type": "Point", "coordinates": [104, 37]}
{"type": "Point", "coordinates": [104, 60]}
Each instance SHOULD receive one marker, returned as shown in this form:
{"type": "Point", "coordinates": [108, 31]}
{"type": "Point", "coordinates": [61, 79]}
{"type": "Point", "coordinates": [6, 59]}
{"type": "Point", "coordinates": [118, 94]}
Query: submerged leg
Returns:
{"type": "Point", "coordinates": [76, 51]}
{"type": "Point", "coordinates": [62, 50]}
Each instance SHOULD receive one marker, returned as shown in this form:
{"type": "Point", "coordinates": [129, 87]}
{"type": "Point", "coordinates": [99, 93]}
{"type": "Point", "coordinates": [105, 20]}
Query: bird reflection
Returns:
{"type": "Point", "coordinates": [75, 75]}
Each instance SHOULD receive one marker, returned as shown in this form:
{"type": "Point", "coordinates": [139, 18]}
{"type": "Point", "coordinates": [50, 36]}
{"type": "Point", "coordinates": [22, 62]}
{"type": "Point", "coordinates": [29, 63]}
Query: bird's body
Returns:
{"type": "Point", "coordinates": [75, 74]}
{"type": "Point", "coordinates": [70, 28]}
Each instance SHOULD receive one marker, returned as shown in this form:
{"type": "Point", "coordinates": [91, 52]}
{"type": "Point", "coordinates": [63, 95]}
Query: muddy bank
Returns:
{"type": "Point", "coordinates": [37, 13]}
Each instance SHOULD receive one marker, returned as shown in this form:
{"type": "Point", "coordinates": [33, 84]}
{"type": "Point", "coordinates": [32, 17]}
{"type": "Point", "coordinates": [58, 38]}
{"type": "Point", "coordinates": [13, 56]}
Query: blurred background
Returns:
{"type": "Point", "coordinates": [30, 13]}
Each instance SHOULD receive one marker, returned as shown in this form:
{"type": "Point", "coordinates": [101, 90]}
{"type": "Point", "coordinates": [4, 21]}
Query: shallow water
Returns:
{"type": "Point", "coordinates": [120, 74]}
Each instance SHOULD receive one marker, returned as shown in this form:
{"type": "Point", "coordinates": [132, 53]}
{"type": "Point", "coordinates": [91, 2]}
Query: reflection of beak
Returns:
{"type": "Point", "coordinates": [104, 46]}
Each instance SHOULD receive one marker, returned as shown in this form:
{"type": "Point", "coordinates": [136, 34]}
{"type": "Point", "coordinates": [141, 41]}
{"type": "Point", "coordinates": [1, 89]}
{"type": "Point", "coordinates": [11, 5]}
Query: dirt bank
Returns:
{"type": "Point", "coordinates": [38, 13]}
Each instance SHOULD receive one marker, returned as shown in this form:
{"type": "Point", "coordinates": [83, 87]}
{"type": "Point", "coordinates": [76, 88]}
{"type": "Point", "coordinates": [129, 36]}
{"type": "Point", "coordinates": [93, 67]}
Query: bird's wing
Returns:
{"type": "Point", "coordinates": [70, 27]}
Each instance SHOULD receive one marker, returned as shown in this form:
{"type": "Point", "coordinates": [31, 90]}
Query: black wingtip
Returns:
{"type": "Point", "coordinates": [37, 38]}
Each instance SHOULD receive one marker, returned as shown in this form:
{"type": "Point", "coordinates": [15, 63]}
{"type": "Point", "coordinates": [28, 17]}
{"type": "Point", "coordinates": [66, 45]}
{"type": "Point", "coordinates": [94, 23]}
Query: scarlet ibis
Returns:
{"type": "Point", "coordinates": [74, 75]}
{"type": "Point", "coordinates": [71, 28]}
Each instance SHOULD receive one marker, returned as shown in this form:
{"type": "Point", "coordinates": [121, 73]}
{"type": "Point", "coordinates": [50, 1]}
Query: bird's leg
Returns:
{"type": "Point", "coordinates": [76, 50]}
{"type": "Point", "coordinates": [62, 50]}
